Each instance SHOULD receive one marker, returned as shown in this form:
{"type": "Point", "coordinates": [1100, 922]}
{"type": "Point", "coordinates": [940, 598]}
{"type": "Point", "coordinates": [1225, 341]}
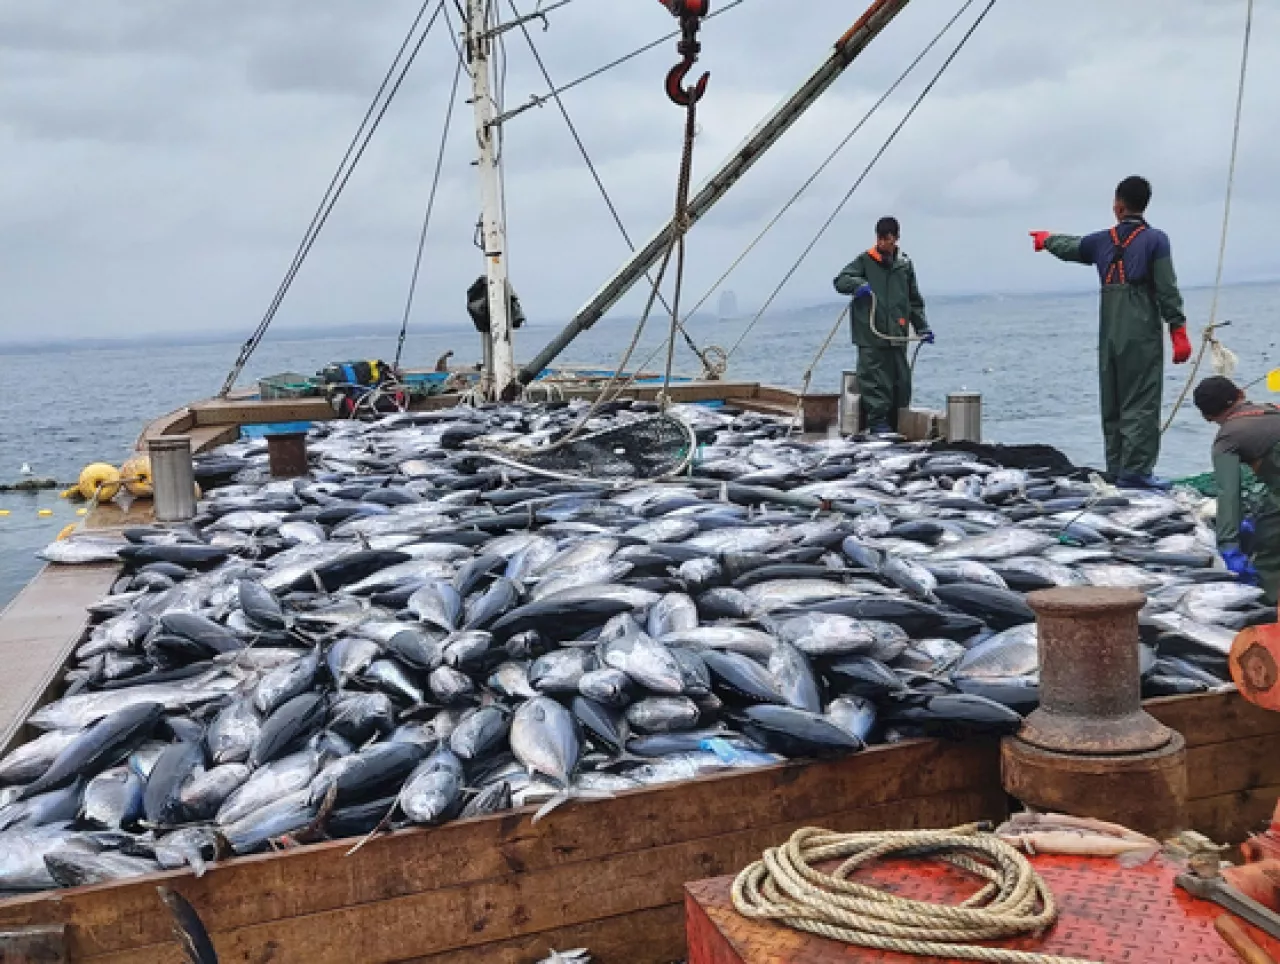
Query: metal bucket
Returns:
{"type": "Point", "coordinates": [850, 409]}
{"type": "Point", "coordinates": [964, 417]}
{"type": "Point", "coordinates": [173, 477]}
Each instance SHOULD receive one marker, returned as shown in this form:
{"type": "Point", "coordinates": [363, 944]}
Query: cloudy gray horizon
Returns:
{"type": "Point", "coordinates": [163, 158]}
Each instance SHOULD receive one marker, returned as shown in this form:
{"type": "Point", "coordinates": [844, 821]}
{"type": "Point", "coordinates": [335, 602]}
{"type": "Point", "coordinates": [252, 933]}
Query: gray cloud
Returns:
{"type": "Point", "coordinates": [161, 159]}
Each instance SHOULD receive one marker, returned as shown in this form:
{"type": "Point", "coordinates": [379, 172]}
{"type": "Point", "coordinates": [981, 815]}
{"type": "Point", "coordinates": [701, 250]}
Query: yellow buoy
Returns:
{"type": "Point", "coordinates": [4, 512]}
{"type": "Point", "coordinates": [101, 478]}
{"type": "Point", "coordinates": [139, 471]}
{"type": "Point", "coordinates": [44, 512]}
{"type": "Point", "coordinates": [66, 532]}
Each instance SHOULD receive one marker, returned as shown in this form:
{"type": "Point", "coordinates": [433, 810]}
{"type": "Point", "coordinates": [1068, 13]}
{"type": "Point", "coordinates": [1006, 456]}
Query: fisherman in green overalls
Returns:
{"type": "Point", "coordinates": [1139, 290]}
{"type": "Point", "coordinates": [1247, 434]}
{"type": "Point", "coordinates": [883, 280]}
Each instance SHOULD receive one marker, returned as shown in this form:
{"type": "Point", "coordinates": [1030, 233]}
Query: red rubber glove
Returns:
{"type": "Point", "coordinates": [1039, 238]}
{"type": "Point", "coordinates": [1181, 345]}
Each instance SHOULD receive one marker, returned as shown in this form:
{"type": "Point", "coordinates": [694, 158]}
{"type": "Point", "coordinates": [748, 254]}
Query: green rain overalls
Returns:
{"type": "Point", "coordinates": [1139, 289]}
{"type": "Point", "coordinates": [1251, 435]}
{"type": "Point", "coordinates": [884, 374]}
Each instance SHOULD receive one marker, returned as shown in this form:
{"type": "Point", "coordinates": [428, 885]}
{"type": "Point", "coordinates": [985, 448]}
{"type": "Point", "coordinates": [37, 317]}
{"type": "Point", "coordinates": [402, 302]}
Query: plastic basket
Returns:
{"type": "Point", "coordinates": [286, 385]}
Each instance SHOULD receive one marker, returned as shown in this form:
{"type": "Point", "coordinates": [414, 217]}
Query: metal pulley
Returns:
{"type": "Point", "coordinates": [690, 14]}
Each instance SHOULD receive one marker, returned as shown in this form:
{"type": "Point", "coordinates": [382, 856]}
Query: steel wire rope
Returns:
{"type": "Point", "coordinates": [426, 219]}
{"type": "Point", "coordinates": [342, 176]}
{"type": "Point", "coordinates": [839, 148]}
{"type": "Point", "coordinates": [679, 227]}
{"type": "Point", "coordinates": [817, 173]}
{"type": "Point", "coordinates": [1209, 339]}
{"type": "Point", "coordinates": [863, 176]}
{"type": "Point", "coordinates": [539, 100]}
{"type": "Point", "coordinates": [595, 175]}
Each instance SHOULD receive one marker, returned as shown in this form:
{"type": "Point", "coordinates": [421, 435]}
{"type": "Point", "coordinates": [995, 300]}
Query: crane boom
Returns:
{"type": "Point", "coordinates": [878, 16]}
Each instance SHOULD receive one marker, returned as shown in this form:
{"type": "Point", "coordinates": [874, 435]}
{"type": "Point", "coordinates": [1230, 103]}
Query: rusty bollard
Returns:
{"type": "Point", "coordinates": [1090, 749]}
{"type": "Point", "coordinates": [287, 454]}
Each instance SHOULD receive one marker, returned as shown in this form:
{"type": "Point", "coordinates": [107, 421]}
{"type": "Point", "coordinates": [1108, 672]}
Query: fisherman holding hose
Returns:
{"type": "Point", "coordinates": [1248, 434]}
{"type": "Point", "coordinates": [1139, 289]}
{"type": "Point", "coordinates": [886, 298]}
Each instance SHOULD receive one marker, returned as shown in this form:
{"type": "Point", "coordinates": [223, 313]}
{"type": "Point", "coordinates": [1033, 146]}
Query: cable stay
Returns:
{"type": "Point", "coordinates": [426, 218]}
{"type": "Point", "coordinates": [382, 99]}
{"type": "Point", "coordinates": [553, 92]}
{"type": "Point", "coordinates": [711, 369]}
{"type": "Point", "coordinates": [1224, 360]}
{"type": "Point", "coordinates": [893, 135]}
{"type": "Point", "coordinates": [845, 51]}
{"type": "Point", "coordinates": [813, 178]}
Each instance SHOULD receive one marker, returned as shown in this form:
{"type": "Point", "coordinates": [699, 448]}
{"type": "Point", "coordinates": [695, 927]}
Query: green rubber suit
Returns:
{"type": "Point", "coordinates": [1266, 520]}
{"type": "Point", "coordinates": [1135, 300]}
{"type": "Point", "coordinates": [884, 374]}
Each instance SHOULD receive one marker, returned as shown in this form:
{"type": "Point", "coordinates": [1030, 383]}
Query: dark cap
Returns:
{"type": "Point", "coordinates": [1215, 395]}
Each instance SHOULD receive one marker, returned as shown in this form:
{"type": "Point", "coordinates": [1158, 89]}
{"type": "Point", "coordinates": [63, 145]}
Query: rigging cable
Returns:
{"type": "Point", "coordinates": [795, 198]}
{"type": "Point", "coordinates": [539, 100]}
{"type": "Point", "coordinates": [355, 151]}
{"type": "Point", "coordinates": [1210, 340]}
{"type": "Point", "coordinates": [426, 219]}
{"type": "Point", "coordinates": [863, 176]}
{"type": "Point", "coordinates": [708, 366]}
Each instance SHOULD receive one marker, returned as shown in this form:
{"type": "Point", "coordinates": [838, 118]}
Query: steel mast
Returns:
{"type": "Point", "coordinates": [499, 356]}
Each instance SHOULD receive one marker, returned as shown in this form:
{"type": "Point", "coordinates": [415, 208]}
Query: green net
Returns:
{"type": "Point", "coordinates": [1205, 483]}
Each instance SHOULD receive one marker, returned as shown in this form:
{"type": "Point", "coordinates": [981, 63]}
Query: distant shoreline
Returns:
{"type": "Point", "coordinates": [390, 330]}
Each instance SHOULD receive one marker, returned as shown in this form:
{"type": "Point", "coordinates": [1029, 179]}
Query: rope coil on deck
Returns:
{"type": "Point", "coordinates": [1015, 901]}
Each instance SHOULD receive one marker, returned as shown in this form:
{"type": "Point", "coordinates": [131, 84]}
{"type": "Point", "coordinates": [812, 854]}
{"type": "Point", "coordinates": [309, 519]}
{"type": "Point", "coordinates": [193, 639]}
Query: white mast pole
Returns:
{"type": "Point", "coordinates": [500, 368]}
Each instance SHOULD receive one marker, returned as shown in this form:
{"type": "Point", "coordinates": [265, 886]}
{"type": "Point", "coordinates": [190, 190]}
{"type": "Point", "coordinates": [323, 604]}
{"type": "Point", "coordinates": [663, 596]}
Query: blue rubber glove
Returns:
{"type": "Point", "coordinates": [928, 338]}
{"type": "Point", "coordinates": [863, 291]}
{"type": "Point", "coordinates": [1247, 528]}
{"type": "Point", "coordinates": [1239, 563]}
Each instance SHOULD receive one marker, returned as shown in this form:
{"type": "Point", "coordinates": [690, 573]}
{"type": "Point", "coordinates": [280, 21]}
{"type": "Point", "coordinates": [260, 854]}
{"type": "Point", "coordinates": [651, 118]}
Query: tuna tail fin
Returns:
{"type": "Point", "coordinates": [570, 794]}
{"type": "Point", "coordinates": [188, 928]}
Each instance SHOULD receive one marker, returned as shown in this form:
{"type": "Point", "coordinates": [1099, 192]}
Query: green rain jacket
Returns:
{"type": "Point", "coordinates": [1251, 435]}
{"type": "Point", "coordinates": [897, 300]}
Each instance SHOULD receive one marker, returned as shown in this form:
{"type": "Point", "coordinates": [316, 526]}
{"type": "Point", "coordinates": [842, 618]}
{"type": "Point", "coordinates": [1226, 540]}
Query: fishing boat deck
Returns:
{"type": "Point", "coordinates": [38, 632]}
{"type": "Point", "coordinates": [216, 421]}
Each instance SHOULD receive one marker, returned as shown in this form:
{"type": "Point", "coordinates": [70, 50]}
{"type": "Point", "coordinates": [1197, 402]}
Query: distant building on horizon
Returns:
{"type": "Point", "coordinates": [728, 304]}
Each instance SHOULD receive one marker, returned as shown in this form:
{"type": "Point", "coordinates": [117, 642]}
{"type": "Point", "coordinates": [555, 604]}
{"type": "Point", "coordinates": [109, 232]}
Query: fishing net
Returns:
{"type": "Point", "coordinates": [1032, 458]}
{"type": "Point", "coordinates": [1253, 489]}
{"type": "Point", "coordinates": [655, 447]}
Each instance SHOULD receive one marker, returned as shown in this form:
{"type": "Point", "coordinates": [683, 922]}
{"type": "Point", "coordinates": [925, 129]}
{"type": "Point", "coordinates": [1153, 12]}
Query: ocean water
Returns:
{"type": "Point", "coordinates": [1033, 358]}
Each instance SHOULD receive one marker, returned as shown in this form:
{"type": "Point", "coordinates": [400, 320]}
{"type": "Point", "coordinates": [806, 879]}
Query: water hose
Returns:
{"type": "Point", "coordinates": [1015, 901]}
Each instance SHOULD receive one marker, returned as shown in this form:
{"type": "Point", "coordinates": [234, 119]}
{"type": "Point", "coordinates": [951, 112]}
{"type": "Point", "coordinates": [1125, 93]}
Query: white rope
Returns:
{"type": "Point", "coordinates": [1224, 359]}
{"type": "Point", "coordinates": [1014, 900]}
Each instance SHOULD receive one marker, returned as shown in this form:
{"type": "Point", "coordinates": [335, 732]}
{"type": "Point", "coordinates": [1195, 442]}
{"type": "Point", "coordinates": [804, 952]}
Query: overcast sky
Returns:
{"type": "Point", "coordinates": [161, 158]}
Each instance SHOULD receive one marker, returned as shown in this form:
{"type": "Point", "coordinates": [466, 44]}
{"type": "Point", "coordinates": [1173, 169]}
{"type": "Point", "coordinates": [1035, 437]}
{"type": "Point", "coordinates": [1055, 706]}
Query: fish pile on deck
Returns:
{"type": "Point", "coordinates": [415, 634]}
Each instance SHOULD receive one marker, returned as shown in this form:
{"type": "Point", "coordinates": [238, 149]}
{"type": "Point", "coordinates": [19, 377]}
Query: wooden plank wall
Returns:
{"type": "Point", "coordinates": [1233, 761]}
{"type": "Point", "coordinates": [500, 890]}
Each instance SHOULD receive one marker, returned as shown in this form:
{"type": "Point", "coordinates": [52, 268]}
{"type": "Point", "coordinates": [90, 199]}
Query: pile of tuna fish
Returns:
{"type": "Point", "coordinates": [415, 633]}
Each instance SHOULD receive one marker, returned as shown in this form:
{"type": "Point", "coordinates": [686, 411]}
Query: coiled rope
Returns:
{"type": "Point", "coordinates": [1014, 901]}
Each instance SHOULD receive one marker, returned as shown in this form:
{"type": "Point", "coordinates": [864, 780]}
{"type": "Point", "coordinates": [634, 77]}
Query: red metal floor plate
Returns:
{"type": "Point", "coordinates": [1109, 913]}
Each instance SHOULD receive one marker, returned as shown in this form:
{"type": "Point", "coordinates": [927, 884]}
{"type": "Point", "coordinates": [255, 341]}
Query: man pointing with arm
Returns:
{"type": "Point", "coordinates": [1139, 292]}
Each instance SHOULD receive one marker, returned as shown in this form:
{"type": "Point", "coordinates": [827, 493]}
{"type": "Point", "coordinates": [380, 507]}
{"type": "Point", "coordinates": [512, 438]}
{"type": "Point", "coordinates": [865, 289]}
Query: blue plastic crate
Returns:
{"type": "Point", "coordinates": [274, 428]}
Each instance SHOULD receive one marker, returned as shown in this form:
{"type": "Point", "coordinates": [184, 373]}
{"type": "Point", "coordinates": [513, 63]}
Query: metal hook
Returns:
{"type": "Point", "coordinates": [676, 90]}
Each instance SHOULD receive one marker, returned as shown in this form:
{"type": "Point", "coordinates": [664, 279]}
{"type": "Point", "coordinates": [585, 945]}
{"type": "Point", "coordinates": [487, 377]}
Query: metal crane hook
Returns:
{"type": "Point", "coordinates": [690, 13]}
